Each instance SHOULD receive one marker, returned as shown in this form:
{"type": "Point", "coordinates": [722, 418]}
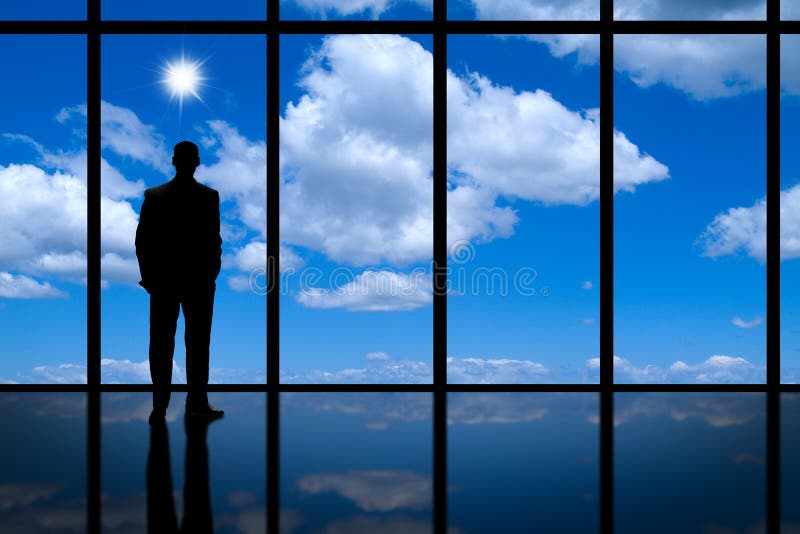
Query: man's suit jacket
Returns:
{"type": "Point", "coordinates": [178, 244]}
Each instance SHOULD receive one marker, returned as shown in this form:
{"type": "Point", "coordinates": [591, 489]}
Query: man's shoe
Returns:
{"type": "Point", "coordinates": [203, 410]}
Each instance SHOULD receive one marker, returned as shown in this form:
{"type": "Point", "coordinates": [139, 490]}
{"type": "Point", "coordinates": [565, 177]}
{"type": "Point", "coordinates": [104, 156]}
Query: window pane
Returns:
{"type": "Point", "coordinates": [689, 244]}
{"type": "Point", "coordinates": [184, 10]}
{"type": "Point", "coordinates": [205, 475]}
{"type": "Point", "coordinates": [43, 10]}
{"type": "Point", "coordinates": [356, 208]}
{"type": "Point", "coordinates": [356, 462]}
{"type": "Point", "coordinates": [523, 9]}
{"type": "Point", "coordinates": [790, 461]}
{"type": "Point", "coordinates": [360, 10]}
{"type": "Point", "coordinates": [689, 462]}
{"type": "Point", "coordinates": [43, 466]}
{"type": "Point", "coordinates": [523, 459]}
{"type": "Point", "coordinates": [153, 99]}
{"type": "Point", "coordinates": [790, 209]}
{"type": "Point", "coordinates": [43, 209]}
{"type": "Point", "coordinates": [523, 209]}
{"type": "Point", "coordinates": [690, 10]}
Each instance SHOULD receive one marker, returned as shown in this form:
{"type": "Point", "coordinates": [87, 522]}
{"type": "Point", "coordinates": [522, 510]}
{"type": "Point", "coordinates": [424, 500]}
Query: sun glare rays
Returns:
{"type": "Point", "coordinates": [183, 78]}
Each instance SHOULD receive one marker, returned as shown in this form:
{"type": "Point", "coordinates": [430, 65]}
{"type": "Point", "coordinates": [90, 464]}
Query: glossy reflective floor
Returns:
{"type": "Point", "coordinates": [363, 462]}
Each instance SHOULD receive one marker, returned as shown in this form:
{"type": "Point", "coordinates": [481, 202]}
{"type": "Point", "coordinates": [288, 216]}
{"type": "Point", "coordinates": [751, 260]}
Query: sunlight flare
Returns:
{"type": "Point", "coordinates": [183, 78]}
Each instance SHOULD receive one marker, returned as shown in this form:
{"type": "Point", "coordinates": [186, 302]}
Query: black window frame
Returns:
{"type": "Point", "coordinates": [439, 27]}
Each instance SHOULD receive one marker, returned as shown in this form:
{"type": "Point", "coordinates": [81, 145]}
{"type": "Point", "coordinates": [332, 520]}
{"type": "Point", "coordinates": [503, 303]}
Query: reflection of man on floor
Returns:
{"type": "Point", "coordinates": [179, 249]}
{"type": "Point", "coordinates": [161, 516]}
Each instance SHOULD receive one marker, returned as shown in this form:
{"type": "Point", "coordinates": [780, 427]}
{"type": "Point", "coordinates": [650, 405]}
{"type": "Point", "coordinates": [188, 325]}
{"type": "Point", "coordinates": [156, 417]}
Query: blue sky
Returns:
{"type": "Point", "coordinates": [356, 202]}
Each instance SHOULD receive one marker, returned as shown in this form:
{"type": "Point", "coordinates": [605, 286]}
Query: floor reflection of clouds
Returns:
{"type": "Point", "coordinates": [374, 491]}
{"type": "Point", "coordinates": [715, 409]}
{"type": "Point", "coordinates": [703, 453]}
{"type": "Point", "coordinates": [516, 460]}
{"type": "Point", "coordinates": [43, 487]}
{"type": "Point", "coordinates": [356, 462]}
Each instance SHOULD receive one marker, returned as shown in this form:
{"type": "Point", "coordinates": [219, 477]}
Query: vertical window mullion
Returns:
{"type": "Point", "coordinates": [440, 266]}
{"type": "Point", "coordinates": [273, 266]}
{"type": "Point", "coordinates": [773, 169]}
{"type": "Point", "coordinates": [93, 264]}
{"type": "Point", "coordinates": [606, 266]}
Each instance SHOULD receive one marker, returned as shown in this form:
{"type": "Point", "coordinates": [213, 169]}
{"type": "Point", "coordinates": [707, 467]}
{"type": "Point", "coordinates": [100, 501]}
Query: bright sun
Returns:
{"type": "Point", "coordinates": [183, 78]}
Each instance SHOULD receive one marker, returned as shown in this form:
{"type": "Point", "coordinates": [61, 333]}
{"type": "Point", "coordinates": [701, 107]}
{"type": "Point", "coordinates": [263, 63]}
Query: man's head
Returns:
{"type": "Point", "coordinates": [185, 157]}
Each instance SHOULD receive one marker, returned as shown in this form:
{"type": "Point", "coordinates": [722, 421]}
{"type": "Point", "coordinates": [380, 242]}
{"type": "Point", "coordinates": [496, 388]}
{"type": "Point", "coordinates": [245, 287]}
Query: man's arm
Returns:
{"type": "Point", "coordinates": [144, 242]}
{"type": "Point", "coordinates": [216, 238]}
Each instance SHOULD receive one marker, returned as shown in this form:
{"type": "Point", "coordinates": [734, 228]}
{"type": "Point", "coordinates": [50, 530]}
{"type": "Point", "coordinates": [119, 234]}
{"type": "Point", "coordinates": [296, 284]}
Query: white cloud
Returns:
{"type": "Point", "coordinates": [550, 154]}
{"type": "Point", "coordinates": [239, 173]}
{"type": "Point", "coordinates": [741, 323]}
{"type": "Point", "coordinates": [374, 491]}
{"type": "Point", "coordinates": [115, 371]}
{"type": "Point", "coordinates": [357, 153]}
{"type": "Point", "coordinates": [744, 229]}
{"type": "Point", "coordinates": [690, 10]}
{"type": "Point", "coordinates": [717, 369]}
{"type": "Point", "coordinates": [44, 206]}
{"type": "Point", "coordinates": [459, 371]}
{"type": "Point", "coordinates": [372, 8]}
{"type": "Point", "coordinates": [703, 66]}
{"type": "Point", "coordinates": [494, 371]}
{"type": "Point", "coordinates": [536, 9]}
{"type": "Point", "coordinates": [42, 212]}
{"type": "Point", "coordinates": [122, 132]}
{"type": "Point", "coordinates": [125, 134]}
{"type": "Point", "coordinates": [623, 9]}
{"type": "Point", "coordinates": [380, 356]}
{"type": "Point", "coordinates": [790, 59]}
{"type": "Point", "coordinates": [65, 373]}
{"type": "Point", "coordinates": [373, 291]}
{"type": "Point", "coordinates": [24, 287]}
{"type": "Point", "coordinates": [587, 285]}
{"type": "Point", "coordinates": [251, 257]}
{"type": "Point", "coordinates": [375, 372]}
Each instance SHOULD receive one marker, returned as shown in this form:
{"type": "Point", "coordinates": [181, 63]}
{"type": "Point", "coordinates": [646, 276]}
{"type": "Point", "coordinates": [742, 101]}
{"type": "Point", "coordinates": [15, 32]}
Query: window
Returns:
{"type": "Point", "coordinates": [142, 115]}
{"type": "Point", "coordinates": [689, 248]}
{"type": "Point", "coordinates": [43, 209]}
{"type": "Point", "coordinates": [523, 159]}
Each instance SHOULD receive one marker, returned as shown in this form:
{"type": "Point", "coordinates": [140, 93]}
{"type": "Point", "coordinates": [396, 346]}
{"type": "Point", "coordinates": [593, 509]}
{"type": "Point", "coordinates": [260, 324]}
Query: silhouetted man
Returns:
{"type": "Point", "coordinates": [179, 248]}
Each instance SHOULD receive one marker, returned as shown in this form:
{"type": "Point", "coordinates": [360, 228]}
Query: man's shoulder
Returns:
{"type": "Point", "coordinates": [209, 191]}
{"type": "Point", "coordinates": [157, 191]}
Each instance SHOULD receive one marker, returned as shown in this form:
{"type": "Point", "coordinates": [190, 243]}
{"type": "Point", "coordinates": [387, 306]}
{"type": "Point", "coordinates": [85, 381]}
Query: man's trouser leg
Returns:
{"type": "Point", "coordinates": [198, 308]}
{"type": "Point", "coordinates": [164, 309]}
